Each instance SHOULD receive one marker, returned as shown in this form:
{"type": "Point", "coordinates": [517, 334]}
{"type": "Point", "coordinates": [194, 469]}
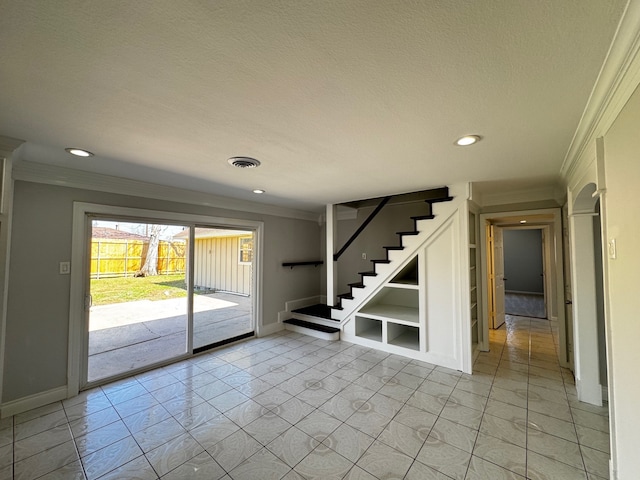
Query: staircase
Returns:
{"type": "Point", "coordinates": [324, 321]}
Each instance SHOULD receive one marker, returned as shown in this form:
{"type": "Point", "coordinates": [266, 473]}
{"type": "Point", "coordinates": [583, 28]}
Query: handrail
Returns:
{"type": "Point", "coordinates": [371, 216]}
{"type": "Point", "coordinates": [315, 263]}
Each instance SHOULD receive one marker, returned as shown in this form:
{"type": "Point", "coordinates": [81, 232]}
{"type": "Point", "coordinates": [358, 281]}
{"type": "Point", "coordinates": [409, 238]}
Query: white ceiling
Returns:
{"type": "Point", "coordinates": [339, 100]}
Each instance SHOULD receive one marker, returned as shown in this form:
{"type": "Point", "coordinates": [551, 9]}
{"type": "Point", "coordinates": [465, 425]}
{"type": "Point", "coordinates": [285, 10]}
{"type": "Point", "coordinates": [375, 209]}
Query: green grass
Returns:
{"type": "Point", "coordinates": [105, 291]}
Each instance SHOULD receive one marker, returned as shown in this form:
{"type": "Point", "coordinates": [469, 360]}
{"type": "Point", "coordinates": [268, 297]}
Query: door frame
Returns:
{"type": "Point", "coordinates": [80, 243]}
{"type": "Point", "coordinates": [555, 260]}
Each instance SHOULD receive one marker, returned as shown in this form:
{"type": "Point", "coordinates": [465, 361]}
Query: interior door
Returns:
{"type": "Point", "coordinates": [497, 276]}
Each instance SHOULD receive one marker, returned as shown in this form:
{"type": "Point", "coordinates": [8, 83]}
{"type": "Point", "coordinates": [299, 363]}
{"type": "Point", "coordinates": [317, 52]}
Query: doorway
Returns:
{"type": "Point", "coordinates": [587, 288]}
{"type": "Point", "coordinates": [174, 316]}
{"type": "Point", "coordinates": [495, 224]}
{"type": "Point", "coordinates": [524, 270]}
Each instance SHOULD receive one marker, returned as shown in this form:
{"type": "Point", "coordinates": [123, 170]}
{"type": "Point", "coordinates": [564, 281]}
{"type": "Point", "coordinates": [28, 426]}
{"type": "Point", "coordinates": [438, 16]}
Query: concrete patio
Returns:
{"type": "Point", "coordinates": [131, 335]}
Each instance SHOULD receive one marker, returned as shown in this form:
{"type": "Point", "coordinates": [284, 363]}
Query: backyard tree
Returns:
{"type": "Point", "coordinates": [150, 267]}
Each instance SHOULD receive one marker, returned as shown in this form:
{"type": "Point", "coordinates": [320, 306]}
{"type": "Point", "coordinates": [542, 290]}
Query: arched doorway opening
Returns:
{"type": "Point", "coordinates": [588, 296]}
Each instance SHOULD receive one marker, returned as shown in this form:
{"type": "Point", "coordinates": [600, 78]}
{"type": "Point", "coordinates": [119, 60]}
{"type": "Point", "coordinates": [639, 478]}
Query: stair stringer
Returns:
{"type": "Point", "coordinates": [398, 258]}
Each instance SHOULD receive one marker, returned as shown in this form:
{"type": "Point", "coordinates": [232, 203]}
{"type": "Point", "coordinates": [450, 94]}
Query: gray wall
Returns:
{"type": "Point", "coordinates": [38, 297]}
{"type": "Point", "coordinates": [523, 261]}
{"type": "Point", "coordinates": [379, 233]}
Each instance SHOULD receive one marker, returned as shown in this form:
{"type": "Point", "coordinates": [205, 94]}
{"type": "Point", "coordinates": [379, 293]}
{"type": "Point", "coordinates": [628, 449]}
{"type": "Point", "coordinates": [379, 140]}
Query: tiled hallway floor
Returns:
{"type": "Point", "coordinates": [294, 407]}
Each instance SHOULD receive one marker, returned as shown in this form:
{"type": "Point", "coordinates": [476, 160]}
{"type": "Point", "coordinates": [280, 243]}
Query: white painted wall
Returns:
{"type": "Point", "coordinates": [621, 208]}
{"type": "Point", "coordinates": [38, 296]}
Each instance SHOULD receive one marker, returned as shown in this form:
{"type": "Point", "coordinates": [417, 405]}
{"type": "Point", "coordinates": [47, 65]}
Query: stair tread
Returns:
{"type": "Point", "coordinates": [412, 232]}
{"type": "Point", "coordinates": [348, 296]}
{"type": "Point", "coordinates": [370, 273]}
{"type": "Point", "coordinates": [356, 285]}
{"type": "Point", "coordinates": [381, 261]}
{"type": "Point", "coordinates": [438, 200]}
{"type": "Point", "coordinates": [394, 247]}
{"type": "Point", "coordinates": [423, 217]}
{"type": "Point", "coordinates": [318, 310]}
{"type": "Point", "coordinates": [312, 326]}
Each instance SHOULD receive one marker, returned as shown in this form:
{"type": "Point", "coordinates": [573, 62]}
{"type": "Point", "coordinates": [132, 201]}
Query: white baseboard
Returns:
{"type": "Point", "coordinates": [271, 328]}
{"type": "Point", "coordinates": [33, 401]}
{"type": "Point", "coordinates": [300, 303]}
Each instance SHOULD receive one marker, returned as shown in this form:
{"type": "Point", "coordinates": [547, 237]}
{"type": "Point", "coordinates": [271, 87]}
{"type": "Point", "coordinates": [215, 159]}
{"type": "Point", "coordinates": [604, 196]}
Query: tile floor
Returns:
{"type": "Point", "coordinates": [294, 407]}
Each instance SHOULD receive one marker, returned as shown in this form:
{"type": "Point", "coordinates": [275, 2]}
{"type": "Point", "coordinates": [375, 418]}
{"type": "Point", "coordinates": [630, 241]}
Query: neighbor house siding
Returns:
{"type": "Point", "coordinates": [217, 265]}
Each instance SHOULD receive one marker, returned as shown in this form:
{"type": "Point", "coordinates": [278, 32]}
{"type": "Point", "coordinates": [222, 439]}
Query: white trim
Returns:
{"type": "Point", "coordinates": [77, 342]}
{"type": "Point", "coordinates": [618, 78]}
{"type": "Point", "coordinates": [331, 267]}
{"type": "Point", "coordinates": [269, 329]}
{"type": "Point", "coordinates": [312, 333]}
{"type": "Point", "coordinates": [553, 192]}
{"type": "Point", "coordinates": [7, 147]}
{"type": "Point", "coordinates": [33, 401]}
{"type": "Point", "coordinates": [68, 177]}
{"type": "Point", "coordinates": [299, 303]}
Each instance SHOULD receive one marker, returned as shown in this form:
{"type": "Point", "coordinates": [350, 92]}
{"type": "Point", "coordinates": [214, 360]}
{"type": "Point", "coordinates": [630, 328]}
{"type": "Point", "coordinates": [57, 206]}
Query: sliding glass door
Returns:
{"type": "Point", "coordinates": [222, 286]}
{"type": "Point", "coordinates": [157, 290]}
{"type": "Point", "coordinates": [138, 302]}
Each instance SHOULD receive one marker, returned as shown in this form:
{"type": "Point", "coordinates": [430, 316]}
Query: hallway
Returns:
{"type": "Point", "coordinates": [295, 407]}
{"type": "Point", "coordinates": [533, 407]}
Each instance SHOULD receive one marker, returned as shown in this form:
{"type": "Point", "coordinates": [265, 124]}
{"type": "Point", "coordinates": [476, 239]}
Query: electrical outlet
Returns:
{"type": "Point", "coordinates": [364, 256]}
{"type": "Point", "coordinates": [65, 268]}
{"type": "Point", "coordinates": [612, 249]}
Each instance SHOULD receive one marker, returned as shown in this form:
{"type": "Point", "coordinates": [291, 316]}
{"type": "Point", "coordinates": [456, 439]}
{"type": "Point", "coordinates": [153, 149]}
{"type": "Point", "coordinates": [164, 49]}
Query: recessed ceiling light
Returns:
{"type": "Point", "coordinates": [258, 191]}
{"type": "Point", "coordinates": [244, 162]}
{"type": "Point", "coordinates": [468, 140]}
{"type": "Point", "coordinates": [78, 152]}
{"type": "Point", "coordinates": [523, 221]}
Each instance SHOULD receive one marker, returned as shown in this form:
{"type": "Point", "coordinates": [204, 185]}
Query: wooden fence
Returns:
{"type": "Point", "coordinates": [123, 258]}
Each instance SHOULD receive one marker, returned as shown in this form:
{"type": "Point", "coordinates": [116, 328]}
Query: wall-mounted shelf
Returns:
{"type": "Point", "coordinates": [315, 263]}
{"type": "Point", "coordinates": [473, 279]}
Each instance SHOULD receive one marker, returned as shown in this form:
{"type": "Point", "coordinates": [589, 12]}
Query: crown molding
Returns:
{"type": "Point", "coordinates": [8, 145]}
{"type": "Point", "coordinates": [488, 199]}
{"type": "Point", "coordinates": [68, 177]}
{"type": "Point", "coordinates": [616, 82]}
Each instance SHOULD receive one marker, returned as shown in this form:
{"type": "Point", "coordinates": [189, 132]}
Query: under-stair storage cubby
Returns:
{"type": "Point", "coordinates": [408, 275]}
{"type": "Point", "coordinates": [394, 302]}
{"type": "Point", "coordinates": [403, 336]}
{"type": "Point", "coordinates": [369, 328]}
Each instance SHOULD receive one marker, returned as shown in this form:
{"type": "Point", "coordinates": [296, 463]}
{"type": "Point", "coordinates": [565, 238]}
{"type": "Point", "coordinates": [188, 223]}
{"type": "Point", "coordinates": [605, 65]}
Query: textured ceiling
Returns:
{"type": "Point", "coordinates": [339, 100]}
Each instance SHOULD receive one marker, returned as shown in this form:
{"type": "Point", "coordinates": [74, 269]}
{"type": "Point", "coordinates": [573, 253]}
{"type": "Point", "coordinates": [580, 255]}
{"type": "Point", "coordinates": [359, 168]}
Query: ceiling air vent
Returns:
{"type": "Point", "coordinates": [244, 162]}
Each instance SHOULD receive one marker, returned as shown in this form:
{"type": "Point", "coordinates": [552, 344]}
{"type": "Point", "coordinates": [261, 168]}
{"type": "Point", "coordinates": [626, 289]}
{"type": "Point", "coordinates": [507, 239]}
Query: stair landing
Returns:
{"type": "Point", "coordinates": [314, 320]}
